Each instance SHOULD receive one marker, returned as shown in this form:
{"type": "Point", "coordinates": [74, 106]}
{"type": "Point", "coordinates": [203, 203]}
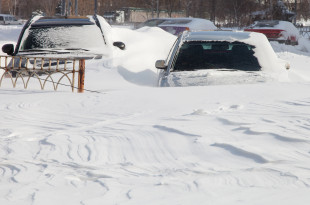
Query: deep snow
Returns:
{"type": "Point", "coordinates": [134, 143]}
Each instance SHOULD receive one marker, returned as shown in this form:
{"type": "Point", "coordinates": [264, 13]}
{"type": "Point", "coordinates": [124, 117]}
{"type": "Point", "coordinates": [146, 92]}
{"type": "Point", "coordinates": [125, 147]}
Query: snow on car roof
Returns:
{"type": "Point", "coordinates": [264, 53]}
{"type": "Point", "coordinates": [216, 36]}
{"type": "Point", "coordinates": [276, 24]}
{"type": "Point", "coordinates": [193, 23]}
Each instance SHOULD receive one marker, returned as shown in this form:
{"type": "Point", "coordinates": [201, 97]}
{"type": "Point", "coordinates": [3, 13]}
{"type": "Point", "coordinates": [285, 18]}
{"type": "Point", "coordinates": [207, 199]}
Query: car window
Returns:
{"type": "Point", "coordinates": [216, 55]}
{"type": "Point", "coordinates": [154, 22]}
{"type": "Point", "coordinates": [177, 21]}
{"type": "Point", "coordinates": [266, 23]}
{"type": "Point", "coordinates": [62, 37]}
{"type": "Point", "coordinates": [1, 18]}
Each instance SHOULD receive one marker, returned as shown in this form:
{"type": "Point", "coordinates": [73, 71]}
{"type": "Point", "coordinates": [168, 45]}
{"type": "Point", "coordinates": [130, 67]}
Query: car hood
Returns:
{"type": "Point", "coordinates": [214, 77]}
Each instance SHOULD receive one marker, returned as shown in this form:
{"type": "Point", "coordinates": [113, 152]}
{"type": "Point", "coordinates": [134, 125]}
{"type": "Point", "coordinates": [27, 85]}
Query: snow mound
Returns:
{"type": "Point", "coordinates": [143, 47]}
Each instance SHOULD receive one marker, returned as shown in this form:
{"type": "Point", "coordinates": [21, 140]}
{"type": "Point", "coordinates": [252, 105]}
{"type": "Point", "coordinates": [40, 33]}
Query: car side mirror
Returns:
{"type": "Point", "coordinates": [120, 45]}
{"type": "Point", "coordinates": [160, 64]}
{"type": "Point", "coordinates": [8, 49]}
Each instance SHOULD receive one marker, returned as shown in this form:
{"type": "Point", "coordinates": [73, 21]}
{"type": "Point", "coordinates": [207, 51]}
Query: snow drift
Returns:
{"type": "Point", "coordinates": [131, 144]}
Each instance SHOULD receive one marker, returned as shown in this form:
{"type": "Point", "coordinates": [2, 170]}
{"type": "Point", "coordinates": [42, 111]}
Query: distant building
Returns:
{"type": "Point", "coordinates": [137, 15]}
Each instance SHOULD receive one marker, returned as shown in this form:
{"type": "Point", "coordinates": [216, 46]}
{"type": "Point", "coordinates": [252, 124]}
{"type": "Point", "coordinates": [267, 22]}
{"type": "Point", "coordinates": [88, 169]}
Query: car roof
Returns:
{"type": "Point", "coordinates": [216, 36]}
{"type": "Point", "coordinates": [62, 21]}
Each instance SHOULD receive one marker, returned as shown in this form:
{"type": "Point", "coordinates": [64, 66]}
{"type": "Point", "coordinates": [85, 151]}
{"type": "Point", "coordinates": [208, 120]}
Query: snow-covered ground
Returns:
{"type": "Point", "coordinates": [134, 143]}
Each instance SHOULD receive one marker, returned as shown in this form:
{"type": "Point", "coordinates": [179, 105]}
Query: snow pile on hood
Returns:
{"type": "Point", "coordinates": [216, 77]}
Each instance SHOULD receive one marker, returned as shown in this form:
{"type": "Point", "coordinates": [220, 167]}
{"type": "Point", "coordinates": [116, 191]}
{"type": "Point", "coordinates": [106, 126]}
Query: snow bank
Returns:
{"type": "Point", "coordinates": [298, 58]}
{"type": "Point", "coordinates": [143, 47]}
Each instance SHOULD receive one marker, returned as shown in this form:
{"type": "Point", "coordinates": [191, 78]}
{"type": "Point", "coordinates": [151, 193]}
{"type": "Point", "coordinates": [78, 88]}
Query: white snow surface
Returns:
{"type": "Point", "coordinates": [133, 143]}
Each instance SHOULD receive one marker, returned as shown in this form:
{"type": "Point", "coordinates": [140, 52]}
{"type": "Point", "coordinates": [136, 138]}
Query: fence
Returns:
{"type": "Point", "coordinates": [45, 70]}
{"type": "Point", "coordinates": [305, 31]}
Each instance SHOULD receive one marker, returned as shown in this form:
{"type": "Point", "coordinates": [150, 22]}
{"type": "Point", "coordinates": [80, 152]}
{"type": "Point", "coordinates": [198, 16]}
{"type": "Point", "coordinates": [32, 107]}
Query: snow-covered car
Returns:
{"type": "Point", "coordinates": [281, 31]}
{"type": "Point", "coordinates": [176, 26]}
{"type": "Point", "coordinates": [219, 57]}
{"type": "Point", "coordinates": [151, 22]}
{"type": "Point", "coordinates": [64, 37]}
{"type": "Point", "coordinates": [6, 19]}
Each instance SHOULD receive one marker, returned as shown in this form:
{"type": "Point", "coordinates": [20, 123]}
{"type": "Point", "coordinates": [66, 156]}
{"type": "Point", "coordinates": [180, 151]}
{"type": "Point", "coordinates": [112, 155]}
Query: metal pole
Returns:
{"type": "Point", "coordinates": [14, 11]}
{"type": "Point", "coordinates": [81, 76]}
{"type": "Point", "coordinates": [271, 9]}
{"type": "Point", "coordinates": [63, 7]}
{"type": "Point", "coordinates": [157, 8]}
{"type": "Point", "coordinates": [96, 6]}
{"type": "Point", "coordinates": [295, 19]}
{"type": "Point", "coordinates": [69, 8]}
{"type": "Point", "coordinates": [76, 7]}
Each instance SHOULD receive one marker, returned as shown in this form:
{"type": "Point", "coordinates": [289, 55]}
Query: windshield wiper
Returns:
{"type": "Point", "coordinates": [54, 49]}
{"type": "Point", "coordinates": [39, 49]}
{"type": "Point", "coordinates": [76, 49]}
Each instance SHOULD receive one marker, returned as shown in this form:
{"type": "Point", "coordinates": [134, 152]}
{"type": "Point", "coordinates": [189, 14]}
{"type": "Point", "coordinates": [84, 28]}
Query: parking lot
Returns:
{"type": "Point", "coordinates": [131, 142]}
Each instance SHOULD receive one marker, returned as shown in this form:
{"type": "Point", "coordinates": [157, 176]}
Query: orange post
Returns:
{"type": "Point", "coordinates": [81, 76]}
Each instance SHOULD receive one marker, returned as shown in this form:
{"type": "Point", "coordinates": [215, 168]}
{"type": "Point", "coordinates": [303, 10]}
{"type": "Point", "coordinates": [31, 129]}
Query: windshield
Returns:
{"type": "Point", "coordinates": [266, 23]}
{"type": "Point", "coordinates": [63, 37]}
{"type": "Point", "coordinates": [216, 55]}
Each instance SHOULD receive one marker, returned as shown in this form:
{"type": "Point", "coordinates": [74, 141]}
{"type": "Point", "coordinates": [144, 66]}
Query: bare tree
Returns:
{"type": "Point", "coordinates": [171, 6]}
{"type": "Point", "coordinates": [49, 6]}
{"type": "Point", "coordinates": [236, 12]}
{"type": "Point", "coordinates": [187, 6]}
